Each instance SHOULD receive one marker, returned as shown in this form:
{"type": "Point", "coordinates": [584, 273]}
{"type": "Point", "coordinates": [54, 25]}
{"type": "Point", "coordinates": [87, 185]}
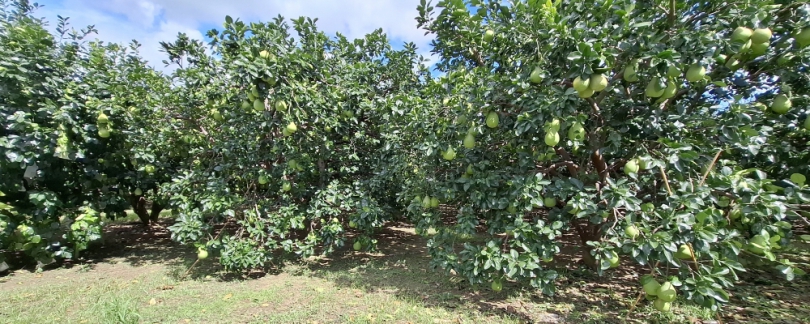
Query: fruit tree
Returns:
{"type": "Point", "coordinates": [660, 133]}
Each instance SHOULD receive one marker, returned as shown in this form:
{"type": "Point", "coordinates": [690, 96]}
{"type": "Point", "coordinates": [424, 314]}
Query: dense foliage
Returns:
{"type": "Point", "coordinates": [662, 137]}
{"type": "Point", "coordinates": [671, 134]}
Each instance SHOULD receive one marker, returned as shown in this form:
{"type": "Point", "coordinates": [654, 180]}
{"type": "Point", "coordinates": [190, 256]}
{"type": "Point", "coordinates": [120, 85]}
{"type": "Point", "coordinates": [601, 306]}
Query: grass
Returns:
{"type": "Point", "coordinates": [138, 278]}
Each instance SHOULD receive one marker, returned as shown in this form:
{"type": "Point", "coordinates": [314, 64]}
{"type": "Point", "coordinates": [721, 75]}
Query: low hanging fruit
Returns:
{"type": "Point", "coordinates": [149, 168]}
{"type": "Point", "coordinates": [263, 180]}
{"type": "Point", "coordinates": [651, 287]}
{"type": "Point", "coordinates": [450, 154]}
{"type": "Point", "coordinates": [489, 35]}
{"type": "Point", "coordinates": [654, 89]}
{"type": "Point", "coordinates": [286, 186]}
{"type": "Point", "coordinates": [552, 138]}
{"type": "Point", "coordinates": [630, 74]}
{"type": "Point", "coordinates": [281, 105]}
{"type": "Point", "coordinates": [695, 73]}
{"type": "Point", "coordinates": [598, 82]}
{"type": "Point", "coordinates": [536, 76]}
{"type": "Point", "coordinates": [258, 105]}
{"type": "Point", "coordinates": [549, 202]}
{"type": "Point", "coordinates": [614, 261]}
{"type": "Point", "coordinates": [104, 133]}
{"type": "Point", "coordinates": [581, 85]}
{"type": "Point", "coordinates": [670, 90]}
{"type": "Point", "coordinates": [216, 114]}
{"type": "Point", "coordinates": [684, 252]}
{"type": "Point", "coordinates": [247, 105]}
{"type": "Point", "coordinates": [202, 254]}
{"type": "Point", "coordinates": [741, 34]}
{"type": "Point", "coordinates": [469, 141]}
{"type": "Point", "coordinates": [667, 292]}
{"type": "Point", "coordinates": [434, 202]}
{"type": "Point", "coordinates": [631, 167]}
{"type": "Point", "coordinates": [761, 35]}
{"type": "Point", "coordinates": [138, 191]}
{"type": "Point", "coordinates": [807, 123]}
{"type": "Point", "coordinates": [781, 104]}
{"type": "Point", "coordinates": [492, 119]}
{"type": "Point", "coordinates": [576, 132]}
{"type": "Point", "coordinates": [631, 231]}
{"type": "Point", "coordinates": [102, 118]}
{"type": "Point", "coordinates": [357, 246]}
{"type": "Point", "coordinates": [554, 125]}
{"type": "Point", "coordinates": [759, 49]}
{"type": "Point", "coordinates": [291, 128]}
{"type": "Point", "coordinates": [673, 71]}
{"type": "Point", "coordinates": [497, 286]}
{"type": "Point", "coordinates": [587, 93]}
{"type": "Point", "coordinates": [662, 306]}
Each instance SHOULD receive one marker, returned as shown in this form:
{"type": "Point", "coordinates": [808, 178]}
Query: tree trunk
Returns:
{"type": "Point", "coordinates": [138, 204]}
{"type": "Point", "coordinates": [155, 213]}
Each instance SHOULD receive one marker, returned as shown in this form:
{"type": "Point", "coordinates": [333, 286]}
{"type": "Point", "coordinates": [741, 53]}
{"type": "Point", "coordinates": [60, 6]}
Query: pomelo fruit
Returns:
{"type": "Point", "coordinates": [536, 77]}
{"type": "Point", "coordinates": [630, 74]}
{"type": "Point", "coordinates": [489, 35]}
{"type": "Point", "coordinates": [426, 202]}
{"type": "Point", "coordinates": [598, 82]}
{"type": "Point", "coordinates": [695, 73]}
{"type": "Point", "coordinates": [469, 141]}
{"type": "Point", "coordinates": [761, 35]}
{"type": "Point", "coordinates": [651, 287]}
{"type": "Point", "coordinates": [434, 202]}
{"type": "Point", "coordinates": [492, 119]}
{"type": "Point", "coordinates": [357, 246]}
{"type": "Point", "coordinates": [497, 286]}
{"type": "Point", "coordinates": [552, 138]}
{"type": "Point", "coordinates": [258, 105]}
{"type": "Point", "coordinates": [670, 90]}
{"type": "Point", "coordinates": [662, 306]}
{"type": "Point", "coordinates": [654, 90]}
{"type": "Point", "coordinates": [781, 104]}
{"type": "Point", "coordinates": [581, 85]}
{"type": "Point", "coordinates": [104, 133]}
{"type": "Point", "coordinates": [759, 49]}
{"type": "Point", "coordinates": [631, 167]}
{"type": "Point", "coordinates": [102, 118]}
{"type": "Point", "coordinates": [667, 292]}
{"type": "Point", "coordinates": [286, 186]}
{"type": "Point", "coordinates": [263, 179]}
{"type": "Point", "coordinates": [614, 261]}
{"type": "Point", "coordinates": [576, 132]}
{"type": "Point", "coordinates": [587, 93]}
{"type": "Point", "coordinates": [450, 154]}
{"type": "Point", "coordinates": [549, 202]}
{"type": "Point", "coordinates": [202, 254]}
{"type": "Point", "coordinates": [741, 34]}
{"type": "Point", "coordinates": [631, 231]}
{"type": "Point", "coordinates": [684, 252]}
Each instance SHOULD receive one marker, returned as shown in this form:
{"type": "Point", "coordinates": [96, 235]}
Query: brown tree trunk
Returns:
{"type": "Point", "coordinates": [155, 213]}
{"type": "Point", "coordinates": [138, 204]}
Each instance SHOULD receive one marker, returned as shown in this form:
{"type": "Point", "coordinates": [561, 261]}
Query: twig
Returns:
{"type": "Point", "coordinates": [711, 166]}
{"type": "Point", "coordinates": [666, 181]}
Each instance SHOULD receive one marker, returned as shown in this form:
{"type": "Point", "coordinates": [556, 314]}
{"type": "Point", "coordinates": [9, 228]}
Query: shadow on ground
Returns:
{"type": "Point", "coordinates": [402, 268]}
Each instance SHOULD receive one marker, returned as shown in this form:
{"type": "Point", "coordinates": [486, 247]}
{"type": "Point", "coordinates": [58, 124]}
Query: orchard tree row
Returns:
{"type": "Point", "coordinates": [670, 134]}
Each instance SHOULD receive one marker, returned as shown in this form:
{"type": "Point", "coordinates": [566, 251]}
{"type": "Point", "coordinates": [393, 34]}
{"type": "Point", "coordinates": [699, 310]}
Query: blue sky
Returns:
{"type": "Point", "coordinates": [152, 21]}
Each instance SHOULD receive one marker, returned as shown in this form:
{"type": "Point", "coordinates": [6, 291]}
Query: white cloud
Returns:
{"type": "Point", "coordinates": [152, 21]}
